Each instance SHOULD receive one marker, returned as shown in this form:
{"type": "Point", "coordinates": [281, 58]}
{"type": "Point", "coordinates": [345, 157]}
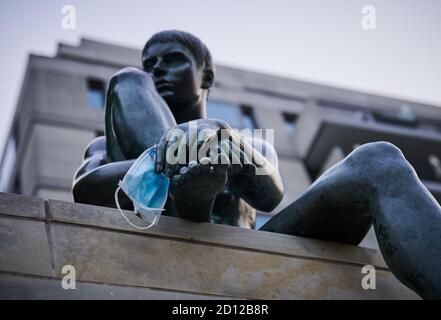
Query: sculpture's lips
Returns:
{"type": "Point", "coordinates": [163, 84]}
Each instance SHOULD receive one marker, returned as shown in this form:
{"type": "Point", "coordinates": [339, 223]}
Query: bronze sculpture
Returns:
{"type": "Point", "coordinates": [374, 184]}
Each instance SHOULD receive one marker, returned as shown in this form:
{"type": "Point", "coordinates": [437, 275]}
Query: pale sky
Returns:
{"type": "Point", "coordinates": [319, 41]}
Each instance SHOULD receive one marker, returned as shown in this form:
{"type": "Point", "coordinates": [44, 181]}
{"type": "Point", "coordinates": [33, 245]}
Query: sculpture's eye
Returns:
{"type": "Point", "coordinates": [149, 64]}
{"type": "Point", "coordinates": [174, 58]}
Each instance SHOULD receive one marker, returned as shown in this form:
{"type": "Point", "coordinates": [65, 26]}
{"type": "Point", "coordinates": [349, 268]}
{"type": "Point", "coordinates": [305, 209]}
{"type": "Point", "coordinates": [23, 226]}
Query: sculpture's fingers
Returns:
{"type": "Point", "coordinates": [172, 164]}
{"type": "Point", "coordinates": [203, 166]}
{"type": "Point", "coordinates": [184, 170]}
{"type": "Point", "coordinates": [193, 145]}
{"type": "Point", "coordinates": [224, 147]}
{"type": "Point", "coordinates": [206, 142]}
{"type": "Point", "coordinates": [213, 151]}
{"type": "Point", "coordinates": [223, 162]}
{"type": "Point", "coordinates": [232, 152]}
{"type": "Point", "coordinates": [182, 151]}
{"type": "Point", "coordinates": [191, 164]}
{"type": "Point", "coordinates": [204, 135]}
{"type": "Point", "coordinates": [236, 163]}
{"type": "Point", "coordinates": [195, 169]}
{"type": "Point", "coordinates": [205, 161]}
{"type": "Point", "coordinates": [160, 152]}
{"type": "Point", "coordinates": [246, 165]}
{"type": "Point", "coordinates": [244, 159]}
{"type": "Point", "coordinates": [235, 154]}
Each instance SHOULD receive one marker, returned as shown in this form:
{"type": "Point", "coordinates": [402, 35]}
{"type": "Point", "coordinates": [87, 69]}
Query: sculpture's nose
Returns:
{"type": "Point", "coordinates": [158, 69]}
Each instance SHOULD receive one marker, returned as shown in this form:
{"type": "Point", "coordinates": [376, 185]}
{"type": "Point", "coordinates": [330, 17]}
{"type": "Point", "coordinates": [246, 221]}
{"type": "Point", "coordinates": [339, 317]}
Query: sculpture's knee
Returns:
{"type": "Point", "coordinates": [130, 78]}
{"type": "Point", "coordinates": [380, 160]}
{"type": "Point", "coordinates": [376, 150]}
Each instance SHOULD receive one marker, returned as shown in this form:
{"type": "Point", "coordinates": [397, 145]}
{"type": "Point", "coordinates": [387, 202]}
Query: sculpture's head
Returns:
{"type": "Point", "coordinates": [181, 67]}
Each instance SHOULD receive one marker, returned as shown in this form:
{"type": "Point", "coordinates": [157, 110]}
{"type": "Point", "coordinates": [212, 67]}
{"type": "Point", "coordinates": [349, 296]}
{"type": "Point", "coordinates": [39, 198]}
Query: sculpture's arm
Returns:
{"type": "Point", "coordinates": [96, 180]}
{"type": "Point", "coordinates": [259, 183]}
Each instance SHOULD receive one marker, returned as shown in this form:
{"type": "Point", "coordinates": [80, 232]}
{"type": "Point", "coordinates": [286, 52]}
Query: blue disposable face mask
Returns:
{"type": "Point", "coordinates": [147, 189]}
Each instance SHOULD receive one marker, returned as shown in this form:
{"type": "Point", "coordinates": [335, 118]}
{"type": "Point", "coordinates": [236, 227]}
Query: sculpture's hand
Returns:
{"type": "Point", "coordinates": [240, 161]}
{"type": "Point", "coordinates": [178, 143]}
{"type": "Point", "coordinates": [258, 182]}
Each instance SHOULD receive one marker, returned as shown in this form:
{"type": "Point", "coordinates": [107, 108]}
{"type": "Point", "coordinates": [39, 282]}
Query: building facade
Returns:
{"type": "Point", "coordinates": [60, 110]}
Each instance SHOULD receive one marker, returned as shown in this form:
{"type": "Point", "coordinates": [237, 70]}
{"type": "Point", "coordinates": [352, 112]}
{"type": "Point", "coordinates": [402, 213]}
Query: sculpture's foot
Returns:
{"type": "Point", "coordinates": [195, 187]}
{"type": "Point", "coordinates": [311, 217]}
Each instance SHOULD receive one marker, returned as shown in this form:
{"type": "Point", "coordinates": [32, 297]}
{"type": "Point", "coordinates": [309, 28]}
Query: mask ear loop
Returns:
{"type": "Point", "coordinates": [155, 220]}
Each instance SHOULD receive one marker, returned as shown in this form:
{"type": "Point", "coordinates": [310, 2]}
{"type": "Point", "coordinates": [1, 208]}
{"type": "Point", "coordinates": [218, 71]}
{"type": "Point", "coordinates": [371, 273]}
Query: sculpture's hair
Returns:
{"type": "Point", "coordinates": [199, 50]}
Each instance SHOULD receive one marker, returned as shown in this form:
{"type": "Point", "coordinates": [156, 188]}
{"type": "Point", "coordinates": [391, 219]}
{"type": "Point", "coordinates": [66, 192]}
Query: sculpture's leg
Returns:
{"type": "Point", "coordinates": [375, 178]}
{"type": "Point", "coordinates": [334, 208]}
{"type": "Point", "coordinates": [136, 116]}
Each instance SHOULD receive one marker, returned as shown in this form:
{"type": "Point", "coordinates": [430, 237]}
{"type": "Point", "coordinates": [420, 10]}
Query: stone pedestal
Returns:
{"type": "Point", "coordinates": [177, 259]}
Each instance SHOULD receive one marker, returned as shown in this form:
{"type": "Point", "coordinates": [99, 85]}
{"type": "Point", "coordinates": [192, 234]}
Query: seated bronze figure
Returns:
{"type": "Point", "coordinates": [372, 185]}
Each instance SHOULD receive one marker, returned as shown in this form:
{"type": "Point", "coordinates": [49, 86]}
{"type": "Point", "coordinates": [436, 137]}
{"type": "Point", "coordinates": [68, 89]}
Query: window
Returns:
{"type": "Point", "coordinates": [238, 117]}
{"type": "Point", "coordinates": [224, 111]}
{"type": "Point", "coordinates": [248, 120]}
{"type": "Point", "coordinates": [404, 117]}
{"type": "Point", "coordinates": [363, 115]}
{"type": "Point", "coordinates": [290, 123]}
{"type": "Point", "coordinates": [95, 92]}
{"type": "Point", "coordinates": [435, 163]}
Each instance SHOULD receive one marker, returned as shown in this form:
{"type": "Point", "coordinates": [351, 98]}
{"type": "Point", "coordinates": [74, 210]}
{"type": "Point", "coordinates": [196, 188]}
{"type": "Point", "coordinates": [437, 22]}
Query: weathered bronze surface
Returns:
{"type": "Point", "coordinates": [374, 184]}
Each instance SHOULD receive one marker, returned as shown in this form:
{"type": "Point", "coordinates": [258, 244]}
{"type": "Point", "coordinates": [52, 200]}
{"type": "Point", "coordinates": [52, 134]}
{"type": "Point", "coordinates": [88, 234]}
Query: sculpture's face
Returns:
{"type": "Point", "coordinates": [175, 73]}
